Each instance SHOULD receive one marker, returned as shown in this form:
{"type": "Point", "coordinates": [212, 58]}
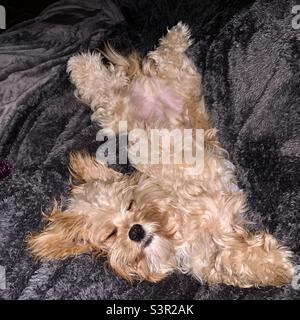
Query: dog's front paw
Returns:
{"type": "Point", "coordinates": [88, 75]}
{"type": "Point", "coordinates": [78, 66]}
{"type": "Point", "coordinates": [177, 38]}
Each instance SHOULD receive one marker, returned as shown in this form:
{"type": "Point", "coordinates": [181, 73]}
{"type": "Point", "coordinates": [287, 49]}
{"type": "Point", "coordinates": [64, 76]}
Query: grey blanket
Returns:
{"type": "Point", "coordinates": [249, 56]}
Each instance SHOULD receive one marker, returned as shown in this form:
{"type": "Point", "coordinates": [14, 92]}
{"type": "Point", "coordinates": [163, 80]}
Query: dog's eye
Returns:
{"type": "Point", "coordinates": [113, 233]}
{"type": "Point", "coordinates": [130, 205]}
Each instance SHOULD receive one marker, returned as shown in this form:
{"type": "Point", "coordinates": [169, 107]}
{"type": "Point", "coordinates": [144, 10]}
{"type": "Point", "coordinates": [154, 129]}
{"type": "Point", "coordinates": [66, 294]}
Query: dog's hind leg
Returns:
{"type": "Point", "coordinates": [247, 260]}
{"type": "Point", "coordinates": [228, 253]}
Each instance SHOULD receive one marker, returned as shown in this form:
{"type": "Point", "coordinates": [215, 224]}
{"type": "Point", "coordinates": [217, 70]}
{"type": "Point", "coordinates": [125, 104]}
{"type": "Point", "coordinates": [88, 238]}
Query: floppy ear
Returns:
{"type": "Point", "coordinates": [86, 168]}
{"type": "Point", "coordinates": [62, 238]}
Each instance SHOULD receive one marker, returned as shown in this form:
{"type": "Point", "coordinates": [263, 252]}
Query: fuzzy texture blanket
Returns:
{"type": "Point", "coordinates": [249, 56]}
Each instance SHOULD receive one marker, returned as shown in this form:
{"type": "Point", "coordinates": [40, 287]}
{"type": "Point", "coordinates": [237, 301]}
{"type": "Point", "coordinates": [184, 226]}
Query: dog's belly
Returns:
{"type": "Point", "coordinates": [153, 97]}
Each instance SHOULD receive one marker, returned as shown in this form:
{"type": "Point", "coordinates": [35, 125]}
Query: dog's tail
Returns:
{"type": "Point", "coordinates": [130, 64]}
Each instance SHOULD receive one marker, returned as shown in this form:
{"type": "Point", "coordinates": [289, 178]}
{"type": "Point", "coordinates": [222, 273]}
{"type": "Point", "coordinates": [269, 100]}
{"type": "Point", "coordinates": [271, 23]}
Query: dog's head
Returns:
{"type": "Point", "coordinates": [127, 217]}
{"type": "Point", "coordinates": [132, 224]}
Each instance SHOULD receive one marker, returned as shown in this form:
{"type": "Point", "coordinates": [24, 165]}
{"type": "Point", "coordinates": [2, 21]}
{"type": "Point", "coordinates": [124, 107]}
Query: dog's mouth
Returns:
{"type": "Point", "coordinates": [147, 241]}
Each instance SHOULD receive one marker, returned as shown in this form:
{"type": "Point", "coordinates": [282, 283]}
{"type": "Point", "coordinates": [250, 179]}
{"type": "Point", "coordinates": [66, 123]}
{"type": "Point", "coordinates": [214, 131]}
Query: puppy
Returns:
{"type": "Point", "coordinates": [161, 218]}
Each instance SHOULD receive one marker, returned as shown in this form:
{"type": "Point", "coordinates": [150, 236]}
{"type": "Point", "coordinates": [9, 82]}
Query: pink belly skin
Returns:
{"type": "Point", "coordinates": [154, 99]}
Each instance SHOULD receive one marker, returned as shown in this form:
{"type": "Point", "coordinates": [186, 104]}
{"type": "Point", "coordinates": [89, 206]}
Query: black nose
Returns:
{"type": "Point", "coordinates": [136, 233]}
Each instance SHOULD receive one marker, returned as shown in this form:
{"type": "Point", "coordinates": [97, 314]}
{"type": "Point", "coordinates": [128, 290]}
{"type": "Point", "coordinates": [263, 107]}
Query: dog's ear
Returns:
{"type": "Point", "coordinates": [85, 168]}
{"type": "Point", "coordinates": [62, 238]}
